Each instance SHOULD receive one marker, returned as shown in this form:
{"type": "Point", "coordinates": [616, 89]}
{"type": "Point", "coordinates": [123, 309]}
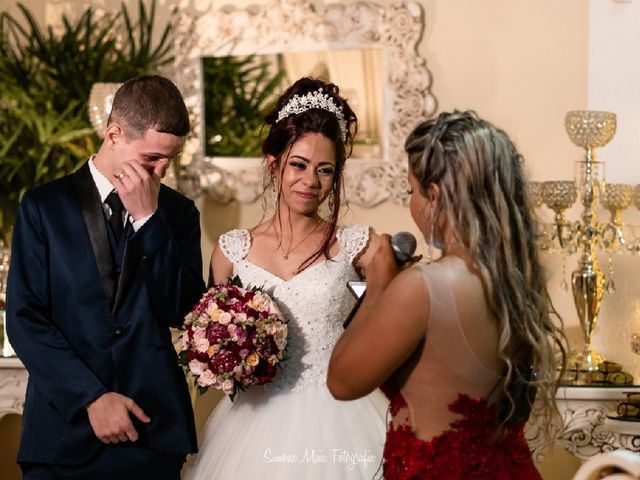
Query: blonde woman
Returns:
{"type": "Point", "coordinates": [453, 340]}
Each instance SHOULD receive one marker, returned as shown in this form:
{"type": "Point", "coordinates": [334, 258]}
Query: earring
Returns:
{"type": "Point", "coordinates": [274, 191]}
{"type": "Point", "coordinates": [331, 202]}
{"type": "Point", "coordinates": [430, 241]}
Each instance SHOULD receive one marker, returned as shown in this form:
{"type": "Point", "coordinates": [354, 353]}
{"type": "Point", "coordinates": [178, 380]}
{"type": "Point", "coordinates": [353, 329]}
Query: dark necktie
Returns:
{"type": "Point", "coordinates": [115, 204]}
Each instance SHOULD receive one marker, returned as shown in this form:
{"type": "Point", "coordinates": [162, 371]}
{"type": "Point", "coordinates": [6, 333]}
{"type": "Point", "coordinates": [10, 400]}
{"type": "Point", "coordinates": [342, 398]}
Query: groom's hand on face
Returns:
{"type": "Point", "coordinates": [138, 186]}
{"type": "Point", "coordinates": [110, 419]}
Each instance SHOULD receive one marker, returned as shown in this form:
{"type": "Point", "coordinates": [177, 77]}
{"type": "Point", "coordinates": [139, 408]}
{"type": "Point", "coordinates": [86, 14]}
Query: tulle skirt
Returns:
{"type": "Point", "coordinates": [266, 434]}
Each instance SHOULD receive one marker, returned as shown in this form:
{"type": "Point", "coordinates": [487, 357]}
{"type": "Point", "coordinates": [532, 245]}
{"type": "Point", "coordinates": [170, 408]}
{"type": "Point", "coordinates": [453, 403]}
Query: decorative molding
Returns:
{"type": "Point", "coordinates": [583, 431]}
{"type": "Point", "coordinates": [296, 25]}
{"type": "Point", "coordinates": [13, 386]}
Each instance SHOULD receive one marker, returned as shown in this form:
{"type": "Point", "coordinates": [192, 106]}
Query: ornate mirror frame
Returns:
{"type": "Point", "coordinates": [296, 25]}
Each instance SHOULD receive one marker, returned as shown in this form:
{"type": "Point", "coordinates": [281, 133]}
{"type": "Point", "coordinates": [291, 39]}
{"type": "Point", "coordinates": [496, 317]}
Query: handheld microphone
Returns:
{"type": "Point", "coordinates": [403, 245]}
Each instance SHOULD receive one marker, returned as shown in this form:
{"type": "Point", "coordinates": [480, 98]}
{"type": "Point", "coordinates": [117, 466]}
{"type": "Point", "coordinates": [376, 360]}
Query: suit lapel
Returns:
{"type": "Point", "coordinates": [93, 214]}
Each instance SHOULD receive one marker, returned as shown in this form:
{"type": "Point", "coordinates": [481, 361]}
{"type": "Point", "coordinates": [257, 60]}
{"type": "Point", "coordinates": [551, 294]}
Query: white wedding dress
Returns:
{"type": "Point", "coordinates": [292, 428]}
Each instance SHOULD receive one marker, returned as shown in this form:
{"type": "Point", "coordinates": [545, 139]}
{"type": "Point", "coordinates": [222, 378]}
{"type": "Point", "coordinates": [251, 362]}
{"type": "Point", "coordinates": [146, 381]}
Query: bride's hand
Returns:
{"type": "Point", "coordinates": [382, 268]}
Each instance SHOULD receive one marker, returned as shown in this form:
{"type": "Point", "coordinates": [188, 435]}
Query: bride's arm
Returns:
{"type": "Point", "coordinates": [220, 268]}
{"type": "Point", "coordinates": [364, 257]}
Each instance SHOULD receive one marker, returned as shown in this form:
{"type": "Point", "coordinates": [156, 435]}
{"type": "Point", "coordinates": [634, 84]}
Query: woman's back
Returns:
{"type": "Point", "coordinates": [459, 353]}
{"type": "Point", "coordinates": [444, 422]}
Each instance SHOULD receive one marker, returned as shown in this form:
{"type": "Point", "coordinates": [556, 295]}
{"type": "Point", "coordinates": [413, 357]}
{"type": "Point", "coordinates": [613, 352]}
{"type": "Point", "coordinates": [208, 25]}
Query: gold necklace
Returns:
{"type": "Point", "coordinates": [285, 253]}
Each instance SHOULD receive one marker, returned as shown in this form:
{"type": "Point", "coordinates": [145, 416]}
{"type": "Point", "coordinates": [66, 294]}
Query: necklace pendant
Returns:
{"type": "Point", "coordinates": [285, 256]}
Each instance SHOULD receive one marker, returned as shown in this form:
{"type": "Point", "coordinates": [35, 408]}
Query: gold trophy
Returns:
{"type": "Point", "coordinates": [589, 130]}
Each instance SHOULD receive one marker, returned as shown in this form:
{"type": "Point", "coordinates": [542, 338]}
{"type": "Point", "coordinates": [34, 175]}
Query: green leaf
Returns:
{"type": "Point", "coordinates": [183, 358]}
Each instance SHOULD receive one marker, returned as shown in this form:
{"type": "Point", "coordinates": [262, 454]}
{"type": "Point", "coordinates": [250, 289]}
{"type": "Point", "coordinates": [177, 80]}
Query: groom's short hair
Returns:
{"type": "Point", "coordinates": [150, 102]}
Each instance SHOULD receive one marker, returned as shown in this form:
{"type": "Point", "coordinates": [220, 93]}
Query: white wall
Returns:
{"type": "Point", "coordinates": [614, 82]}
{"type": "Point", "coordinates": [614, 85]}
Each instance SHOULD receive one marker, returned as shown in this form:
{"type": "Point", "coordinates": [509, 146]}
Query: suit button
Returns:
{"type": "Point", "coordinates": [117, 331]}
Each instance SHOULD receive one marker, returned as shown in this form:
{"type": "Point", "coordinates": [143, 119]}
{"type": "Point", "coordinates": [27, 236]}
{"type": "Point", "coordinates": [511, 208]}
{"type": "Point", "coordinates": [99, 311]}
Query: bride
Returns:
{"type": "Point", "coordinates": [292, 428]}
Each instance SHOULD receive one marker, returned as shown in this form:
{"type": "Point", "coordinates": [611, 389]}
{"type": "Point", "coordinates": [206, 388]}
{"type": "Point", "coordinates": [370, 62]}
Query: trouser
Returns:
{"type": "Point", "coordinates": [124, 461]}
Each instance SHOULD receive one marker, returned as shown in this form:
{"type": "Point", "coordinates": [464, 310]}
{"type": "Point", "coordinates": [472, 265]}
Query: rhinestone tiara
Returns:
{"type": "Point", "coordinates": [318, 99]}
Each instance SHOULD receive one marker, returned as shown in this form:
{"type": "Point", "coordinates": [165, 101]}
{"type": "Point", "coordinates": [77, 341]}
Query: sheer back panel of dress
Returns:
{"type": "Point", "coordinates": [447, 366]}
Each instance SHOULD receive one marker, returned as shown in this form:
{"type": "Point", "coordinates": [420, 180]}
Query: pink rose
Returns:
{"type": "Point", "coordinates": [206, 379]}
{"type": "Point", "coordinates": [227, 386]}
{"type": "Point", "coordinates": [197, 367]}
{"type": "Point", "coordinates": [223, 318]}
{"type": "Point", "coordinates": [201, 344]}
{"type": "Point", "coordinates": [237, 333]}
{"type": "Point", "coordinates": [199, 333]}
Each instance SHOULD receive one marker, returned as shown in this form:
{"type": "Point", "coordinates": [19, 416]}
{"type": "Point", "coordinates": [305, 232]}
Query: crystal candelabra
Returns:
{"type": "Point", "coordinates": [589, 130]}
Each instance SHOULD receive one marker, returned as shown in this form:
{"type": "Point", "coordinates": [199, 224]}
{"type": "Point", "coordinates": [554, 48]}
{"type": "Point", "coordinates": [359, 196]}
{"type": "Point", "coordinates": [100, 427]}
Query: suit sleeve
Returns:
{"type": "Point", "coordinates": [171, 262]}
{"type": "Point", "coordinates": [55, 369]}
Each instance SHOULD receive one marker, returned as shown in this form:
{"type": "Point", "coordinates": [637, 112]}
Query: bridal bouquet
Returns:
{"type": "Point", "coordinates": [234, 338]}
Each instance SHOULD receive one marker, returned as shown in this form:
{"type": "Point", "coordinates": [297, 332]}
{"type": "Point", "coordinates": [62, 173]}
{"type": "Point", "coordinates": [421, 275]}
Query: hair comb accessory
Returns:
{"type": "Point", "coordinates": [318, 99]}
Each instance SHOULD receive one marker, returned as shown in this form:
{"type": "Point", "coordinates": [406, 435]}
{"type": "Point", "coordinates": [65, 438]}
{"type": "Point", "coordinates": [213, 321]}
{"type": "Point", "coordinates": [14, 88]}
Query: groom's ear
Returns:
{"type": "Point", "coordinates": [113, 134]}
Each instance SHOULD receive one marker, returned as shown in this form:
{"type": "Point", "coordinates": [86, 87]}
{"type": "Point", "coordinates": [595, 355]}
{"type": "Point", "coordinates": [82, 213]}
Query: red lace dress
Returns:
{"type": "Point", "coordinates": [469, 450]}
{"type": "Point", "coordinates": [464, 438]}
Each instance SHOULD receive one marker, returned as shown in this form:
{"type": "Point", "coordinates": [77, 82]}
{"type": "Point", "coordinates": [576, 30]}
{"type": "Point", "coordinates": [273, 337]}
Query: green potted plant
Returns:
{"type": "Point", "coordinates": [45, 80]}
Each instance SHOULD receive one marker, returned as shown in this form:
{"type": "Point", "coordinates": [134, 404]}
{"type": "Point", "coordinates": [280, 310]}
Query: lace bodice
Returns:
{"type": "Point", "coordinates": [315, 302]}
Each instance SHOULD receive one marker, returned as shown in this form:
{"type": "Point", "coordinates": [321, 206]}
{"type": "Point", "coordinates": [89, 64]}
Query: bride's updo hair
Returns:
{"type": "Point", "coordinates": [311, 105]}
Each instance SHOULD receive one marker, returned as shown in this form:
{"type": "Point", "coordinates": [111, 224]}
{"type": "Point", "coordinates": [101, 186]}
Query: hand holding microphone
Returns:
{"type": "Point", "coordinates": [403, 246]}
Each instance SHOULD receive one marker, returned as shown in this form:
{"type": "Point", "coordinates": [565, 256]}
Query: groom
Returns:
{"type": "Point", "coordinates": [104, 261]}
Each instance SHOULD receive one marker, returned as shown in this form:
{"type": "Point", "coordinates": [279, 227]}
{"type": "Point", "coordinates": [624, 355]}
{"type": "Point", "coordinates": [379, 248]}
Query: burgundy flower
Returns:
{"type": "Point", "coordinates": [264, 347]}
{"type": "Point", "coordinates": [223, 361]}
{"type": "Point", "coordinates": [217, 332]}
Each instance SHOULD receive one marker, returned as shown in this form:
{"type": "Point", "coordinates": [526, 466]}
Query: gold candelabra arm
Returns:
{"type": "Point", "coordinates": [616, 197]}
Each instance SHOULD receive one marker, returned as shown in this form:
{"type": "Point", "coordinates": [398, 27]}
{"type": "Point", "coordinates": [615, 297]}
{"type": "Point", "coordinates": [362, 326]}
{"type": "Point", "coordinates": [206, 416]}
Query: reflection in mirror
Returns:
{"type": "Point", "coordinates": [386, 81]}
{"type": "Point", "coordinates": [239, 91]}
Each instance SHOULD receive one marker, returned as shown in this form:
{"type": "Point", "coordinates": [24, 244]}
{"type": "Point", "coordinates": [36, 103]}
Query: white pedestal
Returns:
{"type": "Point", "coordinates": [13, 386]}
{"type": "Point", "coordinates": [7, 350]}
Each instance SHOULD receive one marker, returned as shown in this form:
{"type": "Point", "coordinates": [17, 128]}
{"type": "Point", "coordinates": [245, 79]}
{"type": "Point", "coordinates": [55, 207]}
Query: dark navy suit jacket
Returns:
{"type": "Point", "coordinates": [83, 327]}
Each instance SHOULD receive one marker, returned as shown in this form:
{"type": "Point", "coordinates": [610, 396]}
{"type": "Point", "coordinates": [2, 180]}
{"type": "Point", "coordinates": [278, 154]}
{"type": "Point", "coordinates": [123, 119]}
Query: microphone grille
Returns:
{"type": "Point", "coordinates": [404, 246]}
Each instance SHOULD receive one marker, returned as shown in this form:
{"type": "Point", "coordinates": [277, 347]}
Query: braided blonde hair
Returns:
{"type": "Point", "coordinates": [484, 202]}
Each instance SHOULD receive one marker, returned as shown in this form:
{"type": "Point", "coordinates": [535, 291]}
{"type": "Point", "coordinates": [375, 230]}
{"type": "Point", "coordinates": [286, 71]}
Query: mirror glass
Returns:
{"type": "Point", "coordinates": [240, 90]}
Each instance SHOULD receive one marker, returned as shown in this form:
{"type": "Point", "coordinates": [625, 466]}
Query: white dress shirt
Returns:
{"type": "Point", "coordinates": [104, 189]}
